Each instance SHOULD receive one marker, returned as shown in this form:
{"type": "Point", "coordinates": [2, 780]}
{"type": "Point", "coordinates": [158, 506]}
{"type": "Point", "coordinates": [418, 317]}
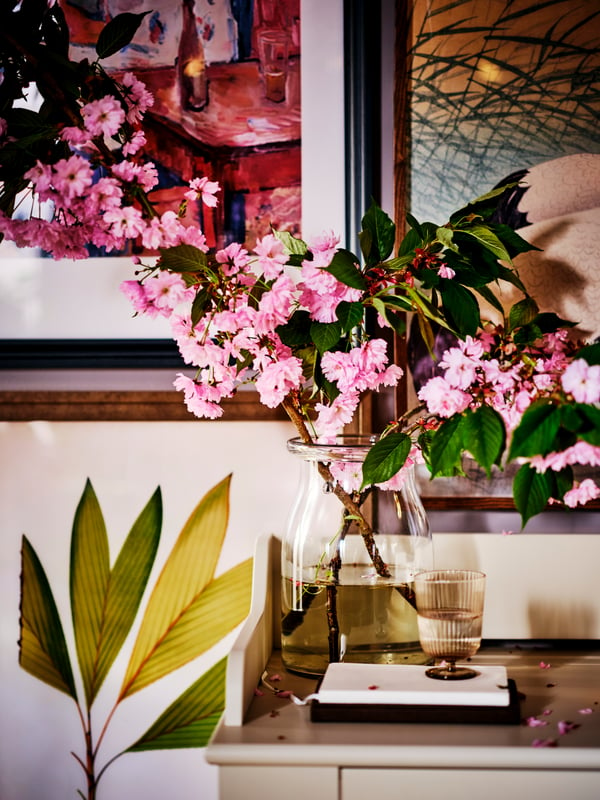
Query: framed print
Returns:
{"type": "Point", "coordinates": [494, 92]}
{"type": "Point", "coordinates": [280, 160]}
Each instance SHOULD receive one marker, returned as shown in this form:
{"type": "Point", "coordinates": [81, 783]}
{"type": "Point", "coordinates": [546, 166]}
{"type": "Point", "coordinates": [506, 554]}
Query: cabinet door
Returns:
{"type": "Point", "coordinates": [278, 783]}
{"type": "Point", "coordinates": [450, 784]}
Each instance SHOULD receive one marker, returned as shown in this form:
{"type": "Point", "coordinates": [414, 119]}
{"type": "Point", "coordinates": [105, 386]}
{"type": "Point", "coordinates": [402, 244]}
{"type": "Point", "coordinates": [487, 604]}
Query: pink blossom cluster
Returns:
{"type": "Point", "coordinates": [78, 207]}
{"type": "Point", "coordinates": [236, 338]}
{"type": "Point", "coordinates": [491, 370]}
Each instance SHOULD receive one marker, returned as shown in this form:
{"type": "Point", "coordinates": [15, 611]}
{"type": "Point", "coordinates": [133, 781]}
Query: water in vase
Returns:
{"type": "Point", "coordinates": [375, 624]}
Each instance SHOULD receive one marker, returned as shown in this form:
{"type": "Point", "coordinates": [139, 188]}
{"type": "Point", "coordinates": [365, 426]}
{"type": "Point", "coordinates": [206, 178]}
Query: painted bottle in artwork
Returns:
{"type": "Point", "coordinates": [191, 63]}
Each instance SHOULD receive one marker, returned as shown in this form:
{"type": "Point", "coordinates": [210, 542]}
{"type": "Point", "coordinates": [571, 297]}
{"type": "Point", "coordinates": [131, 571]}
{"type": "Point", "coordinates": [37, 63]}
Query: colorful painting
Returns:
{"type": "Point", "coordinates": [227, 103]}
{"type": "Point", "coordinates": [497, 87]}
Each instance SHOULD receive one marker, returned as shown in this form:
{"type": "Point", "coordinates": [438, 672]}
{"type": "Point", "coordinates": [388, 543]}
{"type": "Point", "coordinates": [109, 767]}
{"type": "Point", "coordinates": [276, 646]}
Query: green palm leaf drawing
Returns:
{"type": "Point", "coordinates": [42, 646]}
{"type": "Point", "coordinates": [187, 611]}
{"type": "Point", "coordinates": [104, 602]}
{"type": "Point", "coordinates": [191, 719]}
{"type": "Point", "coordinates": [221, 606]}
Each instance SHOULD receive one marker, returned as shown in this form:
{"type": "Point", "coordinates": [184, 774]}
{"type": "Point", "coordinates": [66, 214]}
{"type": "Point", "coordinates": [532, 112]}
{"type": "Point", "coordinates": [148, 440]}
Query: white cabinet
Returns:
{"type": "Point", "coordinates": [267, 748]}
{"type": "Point", "coordinates": [458, 784]}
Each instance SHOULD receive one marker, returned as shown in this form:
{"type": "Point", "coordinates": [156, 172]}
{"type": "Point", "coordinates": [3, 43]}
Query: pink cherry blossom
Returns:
{"type": "Point", "coordinates": [278, 379]}
{"type": "Point", "coordinates": [271, 257]}
{"type": "Point", "coordinates": [136, 294]}
{"type": "Point", "coordinates": [275, 305]}
{"type": "Point", "coordinates": [333, 417]}
{"type": "Point", "coordinates": [581, 493]}
{"type": "Point", "coordinates": [135, 143]}
{"type": "Point", "coordinates": [195, 398]}
{"type": "Point", "coordinates": [321, 292]}
{"type": "Point", "coordinates": [442, 399]}
{"type": "Point", "coordinates": [582, 381]}
{"type": "Point", "coordinates": [72, 176]}
{"type": "Point", "coordinates": [205, 190]}
{"type": "Point", "coordinates": [103, 117]}
{"type": "Point", "coordinates": [125, 223]}
{"type": "Point", "coordinates": [167, 290]}
{"type": "Point", "coordinates": [460, 370]}
{"type": "Point", "coordinates": [534, 722]}
{"type": "Point", "coordinates": [446, 272]}
{"type": "Point", "coordinates": [137, 98]}
{"type": "Point", "coordinates": [347, 474]}
{"type": "Point", "coordinates": [565, 726]}
{"type": "Point", "coordinates": [233, 258]}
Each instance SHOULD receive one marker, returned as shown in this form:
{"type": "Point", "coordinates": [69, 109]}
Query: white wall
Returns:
{"type": "Point", "coordinates": [43, 467]}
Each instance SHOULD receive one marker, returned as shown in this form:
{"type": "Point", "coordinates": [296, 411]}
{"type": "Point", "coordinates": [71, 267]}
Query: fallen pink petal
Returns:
{"type": "Point", "coordinates": [507, 533]}
{"type": "Point", "coordinates": [543, 665]}
{"type": "Point", "coordinates": [258, 693]}
{"type": "Point", "coordinates": [534, 722]}
{"type": "Point", "coordinates": [546, 711]}
{"type": "Point", "coordinates": [284, 693]}
{"type": "Point", "coordinates": [544, 743]}
{"type": "Point", "coordinates": [275, 677]}
{"type": "Point", "coordinates": [586, 711]}
{"type": "Point", "coordinates": [565, 726]}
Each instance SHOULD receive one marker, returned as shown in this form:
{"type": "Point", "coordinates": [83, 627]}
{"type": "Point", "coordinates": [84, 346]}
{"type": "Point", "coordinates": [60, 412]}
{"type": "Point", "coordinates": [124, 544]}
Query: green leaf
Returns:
{"type": "Point", "coordinates": [126, 586]}
{"type": "Point", "coordinates": [590, 353]}
{"type": "Point", "coordinates": [490, 297]}
{"type": "Point", "coordinates": [191, 719]}
{"type": "Point", "coordinates": [446, 237]}
{"type": "Point", "coordinates": [484, 436]}
{"type": "Point", "coordinates": [42, 645]}
{"type": "Point", "coordinates": [522, 313]}
{"type": "Point", "coordinates": [182, 258]}
{"type": "Point", "coordinates": [291, 244]}
{"type": "Point", "coordinates": [548, 322]}
{"type": "Point", "coordinates": [325, 335]}
{"type": "Point", "coordinates": [535, 433]}
{"type": "Point", "coordinates": [514, 243]}
{"type": "Point", "coordinates": [510, 276]}
{"type": "Point", "coordinates": [485, 237]}
{"type": "Point", "coordinates": [414, 238]}
{"type": "Point", "coordinates": [483, 205]}
{"type": "Point", "coordinates": [416, 226]}
{"type": "Point", "coordinates": [89, 579]}
{"type": "Point", "coordinates": [118, 33]}
{"type": "Point", "coordinates": [200, 303]}
{"type": "Point", "coordinates": [296, 332]}
{"type": "Point", "coordinates": [344, 268]}
{"type": "Point", "coordinates": [461, 308]}
{"type": "Point", "coordinates": [382, 233]}
{"type": "Point", "coordinates": [385, 458]}
{"type": "Point", "coordinates": [531, 492]}
{"type": "Point", "coordinates": [202, 623]}
{"type": "Point", "coordinates": [188, 611]}
{"type": "Point", "coordinates": [365, 239]}
{"type": "Point", "coordinates": [591, 432]}
{"type": "Point", "coordinates": [446, 448]}
{"type": "Point", "coordinates": [350, 315]}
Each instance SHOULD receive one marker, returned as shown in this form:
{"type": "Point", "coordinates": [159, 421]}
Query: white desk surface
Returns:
{"type": "Point", "coordinates": [276, 731]}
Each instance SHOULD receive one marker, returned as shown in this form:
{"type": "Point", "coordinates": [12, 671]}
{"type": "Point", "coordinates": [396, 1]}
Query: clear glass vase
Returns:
{"type": "Point", "coordinates": [348, 562]}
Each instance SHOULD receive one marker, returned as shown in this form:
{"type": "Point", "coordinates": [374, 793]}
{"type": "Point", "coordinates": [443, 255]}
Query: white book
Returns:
{"type": "Point", "coordinates": [389, 684]}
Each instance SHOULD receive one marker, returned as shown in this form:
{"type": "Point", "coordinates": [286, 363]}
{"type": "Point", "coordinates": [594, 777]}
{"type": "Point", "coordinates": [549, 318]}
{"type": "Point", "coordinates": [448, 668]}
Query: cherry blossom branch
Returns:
{"type": "Point", "coordinates": [291, 406]}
